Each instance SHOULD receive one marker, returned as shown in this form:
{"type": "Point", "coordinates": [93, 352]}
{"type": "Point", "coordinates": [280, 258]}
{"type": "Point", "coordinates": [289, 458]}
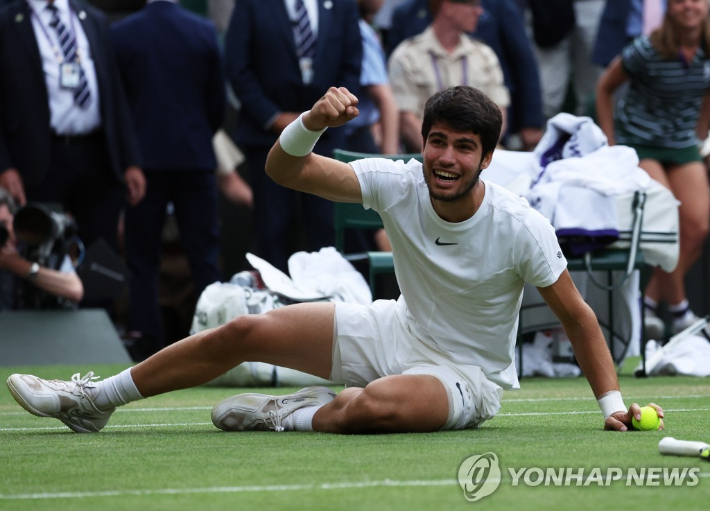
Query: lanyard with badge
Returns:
{"type": "Point", "coordinates": [437, 71]}
{"type": "Point", "coordinates": [69, 72]}
{"type": "Point", "coordinates": [306, 65]}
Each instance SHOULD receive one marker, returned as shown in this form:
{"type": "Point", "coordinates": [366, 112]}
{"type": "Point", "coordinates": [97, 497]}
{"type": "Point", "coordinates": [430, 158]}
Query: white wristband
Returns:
{"type": "Point", "coordinates": [297, 140]}
{"type": "Point", "coordinates": [611, 402]}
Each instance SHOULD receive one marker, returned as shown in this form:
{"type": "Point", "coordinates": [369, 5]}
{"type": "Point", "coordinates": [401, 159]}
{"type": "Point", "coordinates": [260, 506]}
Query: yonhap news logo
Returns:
{"type": "Point", "coordinates": [480, 475]}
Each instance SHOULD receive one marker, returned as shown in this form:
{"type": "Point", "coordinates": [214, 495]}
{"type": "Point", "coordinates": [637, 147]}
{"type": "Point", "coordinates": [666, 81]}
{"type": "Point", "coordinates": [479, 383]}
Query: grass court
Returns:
{"type": "Point", "coordinates": [164, 454]}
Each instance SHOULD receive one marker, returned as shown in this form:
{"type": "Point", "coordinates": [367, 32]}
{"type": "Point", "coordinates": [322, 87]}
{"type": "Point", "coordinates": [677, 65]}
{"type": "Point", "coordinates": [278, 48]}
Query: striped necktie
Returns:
{"type": "Point", "coordinates": [67, 41]}
{"type": "Point", "coordinates": [305, 39]}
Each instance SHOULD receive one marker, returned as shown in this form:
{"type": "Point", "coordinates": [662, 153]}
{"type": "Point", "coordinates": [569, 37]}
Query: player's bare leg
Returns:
{"type": "Point", "coordinates": [298, 337]}
{"type": "Point", "coordinates": [394, 404]}
{"type": "Point", "coordinates": [403, 403]}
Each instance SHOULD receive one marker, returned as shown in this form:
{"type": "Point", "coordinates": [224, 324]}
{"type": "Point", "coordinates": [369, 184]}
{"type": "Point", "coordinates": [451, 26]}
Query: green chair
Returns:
{"type": "Point", "coordinates": [354, 216]}
{"type": "Point", "coordinates": [196, 6]}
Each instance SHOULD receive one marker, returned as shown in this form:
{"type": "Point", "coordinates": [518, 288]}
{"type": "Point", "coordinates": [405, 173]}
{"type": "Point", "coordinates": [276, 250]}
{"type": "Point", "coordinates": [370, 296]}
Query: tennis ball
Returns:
{"type": "Point", "coordinates": [705, 454]}
{"type": "Point", "coordinates": [649, 419]}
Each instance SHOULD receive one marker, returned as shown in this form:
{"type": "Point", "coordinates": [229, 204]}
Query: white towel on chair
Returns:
{"type": "Point", "coordinates": [568, 136]}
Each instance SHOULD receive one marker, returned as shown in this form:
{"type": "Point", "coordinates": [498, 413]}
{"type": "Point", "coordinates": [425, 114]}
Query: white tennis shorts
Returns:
{"type": "Point", "coordinates": [372, 341]}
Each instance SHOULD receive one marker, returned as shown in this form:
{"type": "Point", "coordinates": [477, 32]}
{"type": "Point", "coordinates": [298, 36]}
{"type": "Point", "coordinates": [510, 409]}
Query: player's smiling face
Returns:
{"type": "Point", "coordinates": [452, 163]}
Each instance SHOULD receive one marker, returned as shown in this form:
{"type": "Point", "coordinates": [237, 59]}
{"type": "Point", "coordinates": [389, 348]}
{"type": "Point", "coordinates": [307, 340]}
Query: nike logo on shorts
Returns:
{"type": "Point", "coordinates": [458, 386]}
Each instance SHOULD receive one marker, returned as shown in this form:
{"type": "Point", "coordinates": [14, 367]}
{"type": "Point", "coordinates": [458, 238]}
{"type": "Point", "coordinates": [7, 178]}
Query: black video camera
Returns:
{"type": "Point", "coordinates": [44, 236]}
{"type": "Point", "coordinates": [40, 229]}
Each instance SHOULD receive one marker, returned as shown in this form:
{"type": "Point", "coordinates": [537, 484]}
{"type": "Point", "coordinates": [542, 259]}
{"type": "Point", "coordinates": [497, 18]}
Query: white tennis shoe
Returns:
{"type": "Point", "coordinates": [69, 401]}
{"type": "Point", "coordinates": [261, 412]}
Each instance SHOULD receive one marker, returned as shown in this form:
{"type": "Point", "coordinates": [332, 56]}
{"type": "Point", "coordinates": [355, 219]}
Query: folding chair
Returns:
{"type": "Point", "coordinates": [607, 261]}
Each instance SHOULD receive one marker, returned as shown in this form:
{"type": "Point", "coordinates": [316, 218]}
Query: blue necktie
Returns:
{"type": "Point", "coordinates": [305, 39]}
{"type": "Point", "coordinates": [67, 41]}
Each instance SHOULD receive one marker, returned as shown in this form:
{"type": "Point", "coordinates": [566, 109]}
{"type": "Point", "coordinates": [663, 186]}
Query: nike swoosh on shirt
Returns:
{"type": "Point", "coordinates": [443, 243]}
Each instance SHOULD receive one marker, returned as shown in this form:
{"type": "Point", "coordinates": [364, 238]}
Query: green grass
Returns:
{"type": "Point", "coordinates": [164, 454]}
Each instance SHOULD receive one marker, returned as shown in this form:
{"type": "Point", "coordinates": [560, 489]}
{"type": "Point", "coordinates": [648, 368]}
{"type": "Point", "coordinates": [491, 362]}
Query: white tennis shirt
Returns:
{"type": "Point", "coordinates": [462, 283]}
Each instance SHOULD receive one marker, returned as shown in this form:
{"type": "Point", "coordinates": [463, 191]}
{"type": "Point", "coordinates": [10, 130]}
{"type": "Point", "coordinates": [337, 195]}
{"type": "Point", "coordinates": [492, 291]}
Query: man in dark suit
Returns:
{"type": "Point", "coordinates": [171, 66]}
{"type": "Point", "coordinates": [615, 31]}
{"type": "Point", "coordinates": [65, 133]}
{"type": "Point", "coordinates": [502, 27]}
{"type": "Point", "coordinates": [274, 84]}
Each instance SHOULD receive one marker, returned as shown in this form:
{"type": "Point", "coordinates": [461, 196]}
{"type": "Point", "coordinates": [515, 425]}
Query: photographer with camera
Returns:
{"type": "Point", "coordinates": [33, 276]}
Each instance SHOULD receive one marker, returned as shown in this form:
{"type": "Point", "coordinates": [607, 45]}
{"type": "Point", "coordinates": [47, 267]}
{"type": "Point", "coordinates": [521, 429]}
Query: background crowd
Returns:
{"type": "Point", "coordinates": [131, 118]}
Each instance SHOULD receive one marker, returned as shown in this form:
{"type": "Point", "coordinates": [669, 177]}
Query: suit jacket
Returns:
{"type": "Point", "coordinates": [264, 71]}
{"type": "Point", "coordinates": [502, 28]}
{"type": "Point", "coordinates": [612, 36]}
{"type": "Point", "coordinates": [171, 67]}
{"type": "Point", "coordinates": [25, 133]}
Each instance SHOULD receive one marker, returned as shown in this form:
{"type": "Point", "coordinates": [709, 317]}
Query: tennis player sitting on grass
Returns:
{"type": "Point", "coordinates": [438, 358]}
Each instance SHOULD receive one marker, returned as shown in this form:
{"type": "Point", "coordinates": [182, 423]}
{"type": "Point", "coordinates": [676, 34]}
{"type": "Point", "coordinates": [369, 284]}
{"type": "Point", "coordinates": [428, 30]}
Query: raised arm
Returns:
{"type": "Point", "coordinates": [291, 162]}
{"type": "Point", "coordinates": [581, 326]}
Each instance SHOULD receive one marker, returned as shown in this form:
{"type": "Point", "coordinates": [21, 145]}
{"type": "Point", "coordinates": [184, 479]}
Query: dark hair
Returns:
{"type": "Point", "coordinates": [463, 108]}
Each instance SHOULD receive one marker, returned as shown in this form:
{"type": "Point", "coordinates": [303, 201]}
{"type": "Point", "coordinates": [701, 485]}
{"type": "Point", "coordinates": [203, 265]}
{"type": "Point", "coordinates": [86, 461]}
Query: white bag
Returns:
{"type": "Point", "coordinates": [218, 303]}
{"type": "Point", "coordinates": [658, 240]}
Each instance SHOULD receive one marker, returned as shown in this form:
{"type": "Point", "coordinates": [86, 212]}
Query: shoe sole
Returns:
{"type": "Point", "coordinates": [220, 409]}
{"type": "Point", "coordinates": [24, 404]}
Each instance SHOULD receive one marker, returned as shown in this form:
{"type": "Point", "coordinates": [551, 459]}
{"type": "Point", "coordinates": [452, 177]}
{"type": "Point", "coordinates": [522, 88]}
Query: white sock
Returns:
{"type": "Point", "coordinates": [116, 391]}
{"type": "Point", "coordinates": [679, 307]}
{"type": "Point", "coordinates": [302, 419]}
{"type": "Point", "coordinates": [650, 306]}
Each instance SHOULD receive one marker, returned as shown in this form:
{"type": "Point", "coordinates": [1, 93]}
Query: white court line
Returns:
{"type": "Point", "coordinates": [167, 425]}
{"type": "Point", "coordinates": [527, 400]}
{"type": "Point", "coordinates": [628, 398]}
{"type": "Point", "coordinates": [122, 410]}
{"type": "Point", "coordinates": [245, 489]}
{"type": "Point", "coordinates": [115, 426]}
{"type": "Point", "coordinates": [594, 411]}
{"type": "Point", "coordinates": [230, 489]}
{"type": "Point", "coordinates": [173, 409]}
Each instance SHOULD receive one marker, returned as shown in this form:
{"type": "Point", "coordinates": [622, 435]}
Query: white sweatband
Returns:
{"type": "Point", "coordinates": [297, 140]}
{"type": "Point", "coordinates": [611, 402]}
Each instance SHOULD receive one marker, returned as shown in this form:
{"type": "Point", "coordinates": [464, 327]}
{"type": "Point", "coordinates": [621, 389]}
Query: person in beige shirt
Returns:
{"type": "Point", "coordinates": [443, 56]}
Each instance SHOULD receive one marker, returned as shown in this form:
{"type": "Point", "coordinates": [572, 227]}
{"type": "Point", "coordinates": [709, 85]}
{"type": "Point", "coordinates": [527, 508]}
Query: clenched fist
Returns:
{"type": "Point", "coordinates": [337, 107]}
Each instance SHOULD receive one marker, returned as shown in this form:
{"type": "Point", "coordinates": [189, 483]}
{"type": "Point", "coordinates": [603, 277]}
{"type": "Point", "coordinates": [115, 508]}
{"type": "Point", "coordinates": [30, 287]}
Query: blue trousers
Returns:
{"type": "Point", "coordinates": [194, 197]}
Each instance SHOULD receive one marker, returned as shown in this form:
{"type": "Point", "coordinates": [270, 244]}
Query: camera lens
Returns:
{"type": "Point", "coordinates": [34, 225]}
